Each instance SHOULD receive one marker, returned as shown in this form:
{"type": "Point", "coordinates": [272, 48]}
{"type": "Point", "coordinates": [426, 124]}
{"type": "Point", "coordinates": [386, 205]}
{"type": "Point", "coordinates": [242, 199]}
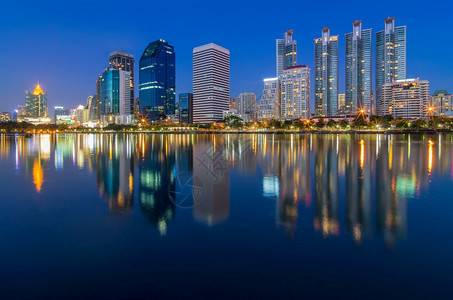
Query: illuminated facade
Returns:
{"type": "Point", "coordinates": [123, 61]}
{"type": "Point", "coordinates": [115, 96]}
{"type": "Point", "coordinates": [341, 102]}
{"type": "Point", "coordinates": [269, 107]}
{"type": "Point", "coordinates": [390, 59]}
{"type": "Point", "coordinates": [36, 103]}
{"type": "Point", "coordinates": [408, 99]}
{"type": "Point", "coordinates": [246, 106]}
{"type": "Point", "coordinates": [157, 81]}
{"type": "Point", "coordinates": [211, 83]}
{"type": "Point", "coordinates": [441, 101]}
{"type": "Point", "coordinates": [295, 93]}
{"type": "Point", "coordinates": [286, 52]}
{"type": "Point", "coordinates": [358, 69]}
{"type": "Point", "coordinates": [185, 108]}
{"type": "Point", "coordinates": [326, 74]}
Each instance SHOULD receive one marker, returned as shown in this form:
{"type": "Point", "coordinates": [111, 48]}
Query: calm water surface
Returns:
{"type": "Point", "coordinates": [204, 216]}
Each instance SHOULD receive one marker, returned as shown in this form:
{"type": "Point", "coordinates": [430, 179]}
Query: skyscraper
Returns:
{"type": "Point", "coordinates": [36, 103]}
{"type": "Point", "coordinates": [441, 100]}
{"type": "Point", "coordinates": [157, 80]}
{"type": "Point", "coordinates": [390, 58]}
{"type": "Point", "coordinates": [326, 74]}
{"type": "Point", "coordinates": [115, 96]}
{"type": "Point", "coordinates": [286, 52]}
{"type": "Point", "coordinates": [211, 83]}
{"type": "Point", "coordinates": [186, 108]}
{"type": "Point", "coordinates": [295, 93]}
{"type": "Point", "coordinates": [246, 106]}
{"type": "Point", "coordinates": [358, 69]}
{"type": "Point", "coordinates": [407, 99]}
{"type": "Point", "coordinates": [269, 107]}
{"type": "Point", "coordinates": [123, 61]}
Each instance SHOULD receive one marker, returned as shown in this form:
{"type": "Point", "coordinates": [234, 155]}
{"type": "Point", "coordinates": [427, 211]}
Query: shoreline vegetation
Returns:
{"type": "Point", "coordinates": [235, 125]}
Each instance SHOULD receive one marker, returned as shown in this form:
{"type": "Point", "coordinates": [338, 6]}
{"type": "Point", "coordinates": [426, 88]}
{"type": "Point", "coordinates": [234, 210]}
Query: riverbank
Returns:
{"type": "Point", "coordinates": [207, 131]}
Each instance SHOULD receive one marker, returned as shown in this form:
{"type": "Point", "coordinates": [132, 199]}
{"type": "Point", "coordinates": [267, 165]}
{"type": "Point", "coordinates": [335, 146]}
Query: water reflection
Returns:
{"type": "Point", "coordinates": [354, 184]}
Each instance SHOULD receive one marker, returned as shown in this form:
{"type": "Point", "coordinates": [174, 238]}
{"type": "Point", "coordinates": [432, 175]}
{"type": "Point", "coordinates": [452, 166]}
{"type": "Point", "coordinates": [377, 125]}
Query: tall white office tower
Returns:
{"type": "Point", "coordinates": [407, 99]}
{"type": "Point", "coordinates": [211, 83]}
{"type": "Point", "coordinates": [269, 107]}
{"type": "Point", "coordinates": [295, 93]}
{"type": "Point", "coordinates": [326, 74]}
{"type": "Point", "coordinates": [286, 52]}
{"type": "Point", "coordinates": [390, 58]}
{"type": "Point", "coordinates": [358, 69]}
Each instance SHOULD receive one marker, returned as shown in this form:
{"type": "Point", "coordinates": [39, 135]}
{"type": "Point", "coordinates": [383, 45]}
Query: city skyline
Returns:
{"type": "Point", "coordinates": [432, 65]}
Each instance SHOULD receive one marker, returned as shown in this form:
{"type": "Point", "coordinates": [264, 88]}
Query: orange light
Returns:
{"type": "Point", "coordinates": [38, 90]}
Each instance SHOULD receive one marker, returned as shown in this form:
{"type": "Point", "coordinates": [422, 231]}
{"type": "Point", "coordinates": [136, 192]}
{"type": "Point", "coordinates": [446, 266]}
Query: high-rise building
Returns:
{"type": "Point", "coordinates": [326, 74]}
{"type": "Point", "coordinates": [91, 107]}
{"type": "Point", "coordinates": [407, 99]}
{"type": "Point", "coordinates": [157, 81]}
{"type": "Point", "coordinates": [115, 97]}
{"type": "Point", "coordinates": [269, 107]}
{"type": "Point", "coordinates": [358, 69]}
{"type": "Point", "coordinates": [441, 101]}
{"type": "Point", "coordinates": [233, 103]}
{"type": "Point", "coordinates": [211, 83]}
{"type": "Point", "coordinates": [390, 58]}
{"type": "Point", "coordinates": [342, 102]}
{"type": "Point", "coordinates": [98, 102]}
{"type": "Point", "coordinates": [246, 106]}
{"type": "Point", "coordinates": [123, 61]}
{"type": "Point", "coordinates": [295, 93]}
{"type": "Point", "coordinates": [286, 52]}
{"type": "Point", "coordinates": [186, 108]}
{"type": "Point", "coordinates": [36, 103]}
{"type": "Point", "coordinates": [20, 113]}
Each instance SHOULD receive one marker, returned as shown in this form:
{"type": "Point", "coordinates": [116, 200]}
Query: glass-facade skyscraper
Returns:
{"type": "Point", "coordinates": [358, 69]}
{"type": "Point", "coordinates": [123, 61]}
{"type": "Point", "coordinates": [185, 108]}
{"type": "Point", "coordinates": [286, 52]}
{"type": "Point", "coordinates": [157, 80]}
{"type": "Point", "coordinates": [36, 103]}
{"type": "Point", "coordinates": [326, 74]}
{"type": "Point", "coordinates": [115, 94]}
{"type": "Point", "coordinates": [390, 58]}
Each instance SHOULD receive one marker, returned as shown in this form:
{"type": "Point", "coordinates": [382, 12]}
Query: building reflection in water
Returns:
{"type": "Point", "coordinates": [211, 174]}
{"type": "Point", "coordinates": [115, 169]}
{"type": "Point", "coordinates": [326, 185]}
{"type": "Point", "coordinates": [371, 176]}
{"type": "Point", "coordinates": [359, 166]}
{"type": "Point", "coordinates": [157, 179]}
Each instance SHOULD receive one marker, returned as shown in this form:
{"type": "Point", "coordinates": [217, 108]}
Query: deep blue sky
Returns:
{"type": "Point", "coordinates": [65, 44]}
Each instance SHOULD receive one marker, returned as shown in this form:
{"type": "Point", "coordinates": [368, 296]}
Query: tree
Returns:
{"type": "Point", "coordinates": [275, 124]}
{"type": "Point", "coordinates": [332, 123]}
{"type": "Point", "coordinates": [233, 121]}
{"type": "Point", "coordinates": [321, 124]}
{"type": "Point", "coordinates": [418, 124]}
{"type": "Point", "coordinates": [344, 124]}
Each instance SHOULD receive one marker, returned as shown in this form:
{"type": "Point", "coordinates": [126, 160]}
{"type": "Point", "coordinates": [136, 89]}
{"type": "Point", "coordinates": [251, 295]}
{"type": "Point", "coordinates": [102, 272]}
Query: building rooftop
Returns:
{"type": "Point", "coordinates": [211, 46]}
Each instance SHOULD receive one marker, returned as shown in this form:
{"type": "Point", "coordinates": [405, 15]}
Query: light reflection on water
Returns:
{"type": "Point", "coordinates": [356, 188]}
{"type": "Point", "coordinates": [296, 170]}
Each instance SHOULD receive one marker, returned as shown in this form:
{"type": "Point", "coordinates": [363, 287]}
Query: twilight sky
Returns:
{"type": "Point", "coordinates": [65, 44]}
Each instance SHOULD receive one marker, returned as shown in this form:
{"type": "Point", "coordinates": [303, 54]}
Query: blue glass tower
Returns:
{"type": "Point", "coordinates": [157, 80]}
{"type": "Point", "coordinates": [185, 108]}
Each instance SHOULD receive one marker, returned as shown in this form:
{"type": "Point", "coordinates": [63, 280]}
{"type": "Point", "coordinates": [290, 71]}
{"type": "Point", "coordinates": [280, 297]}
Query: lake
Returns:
{"type": "Point", "coordinates": [226, 215]}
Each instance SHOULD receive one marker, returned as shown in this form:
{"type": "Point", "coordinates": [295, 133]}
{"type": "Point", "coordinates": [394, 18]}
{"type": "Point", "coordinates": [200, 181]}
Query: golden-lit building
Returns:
{"type": "Point", "coordinates": [36, 103]}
